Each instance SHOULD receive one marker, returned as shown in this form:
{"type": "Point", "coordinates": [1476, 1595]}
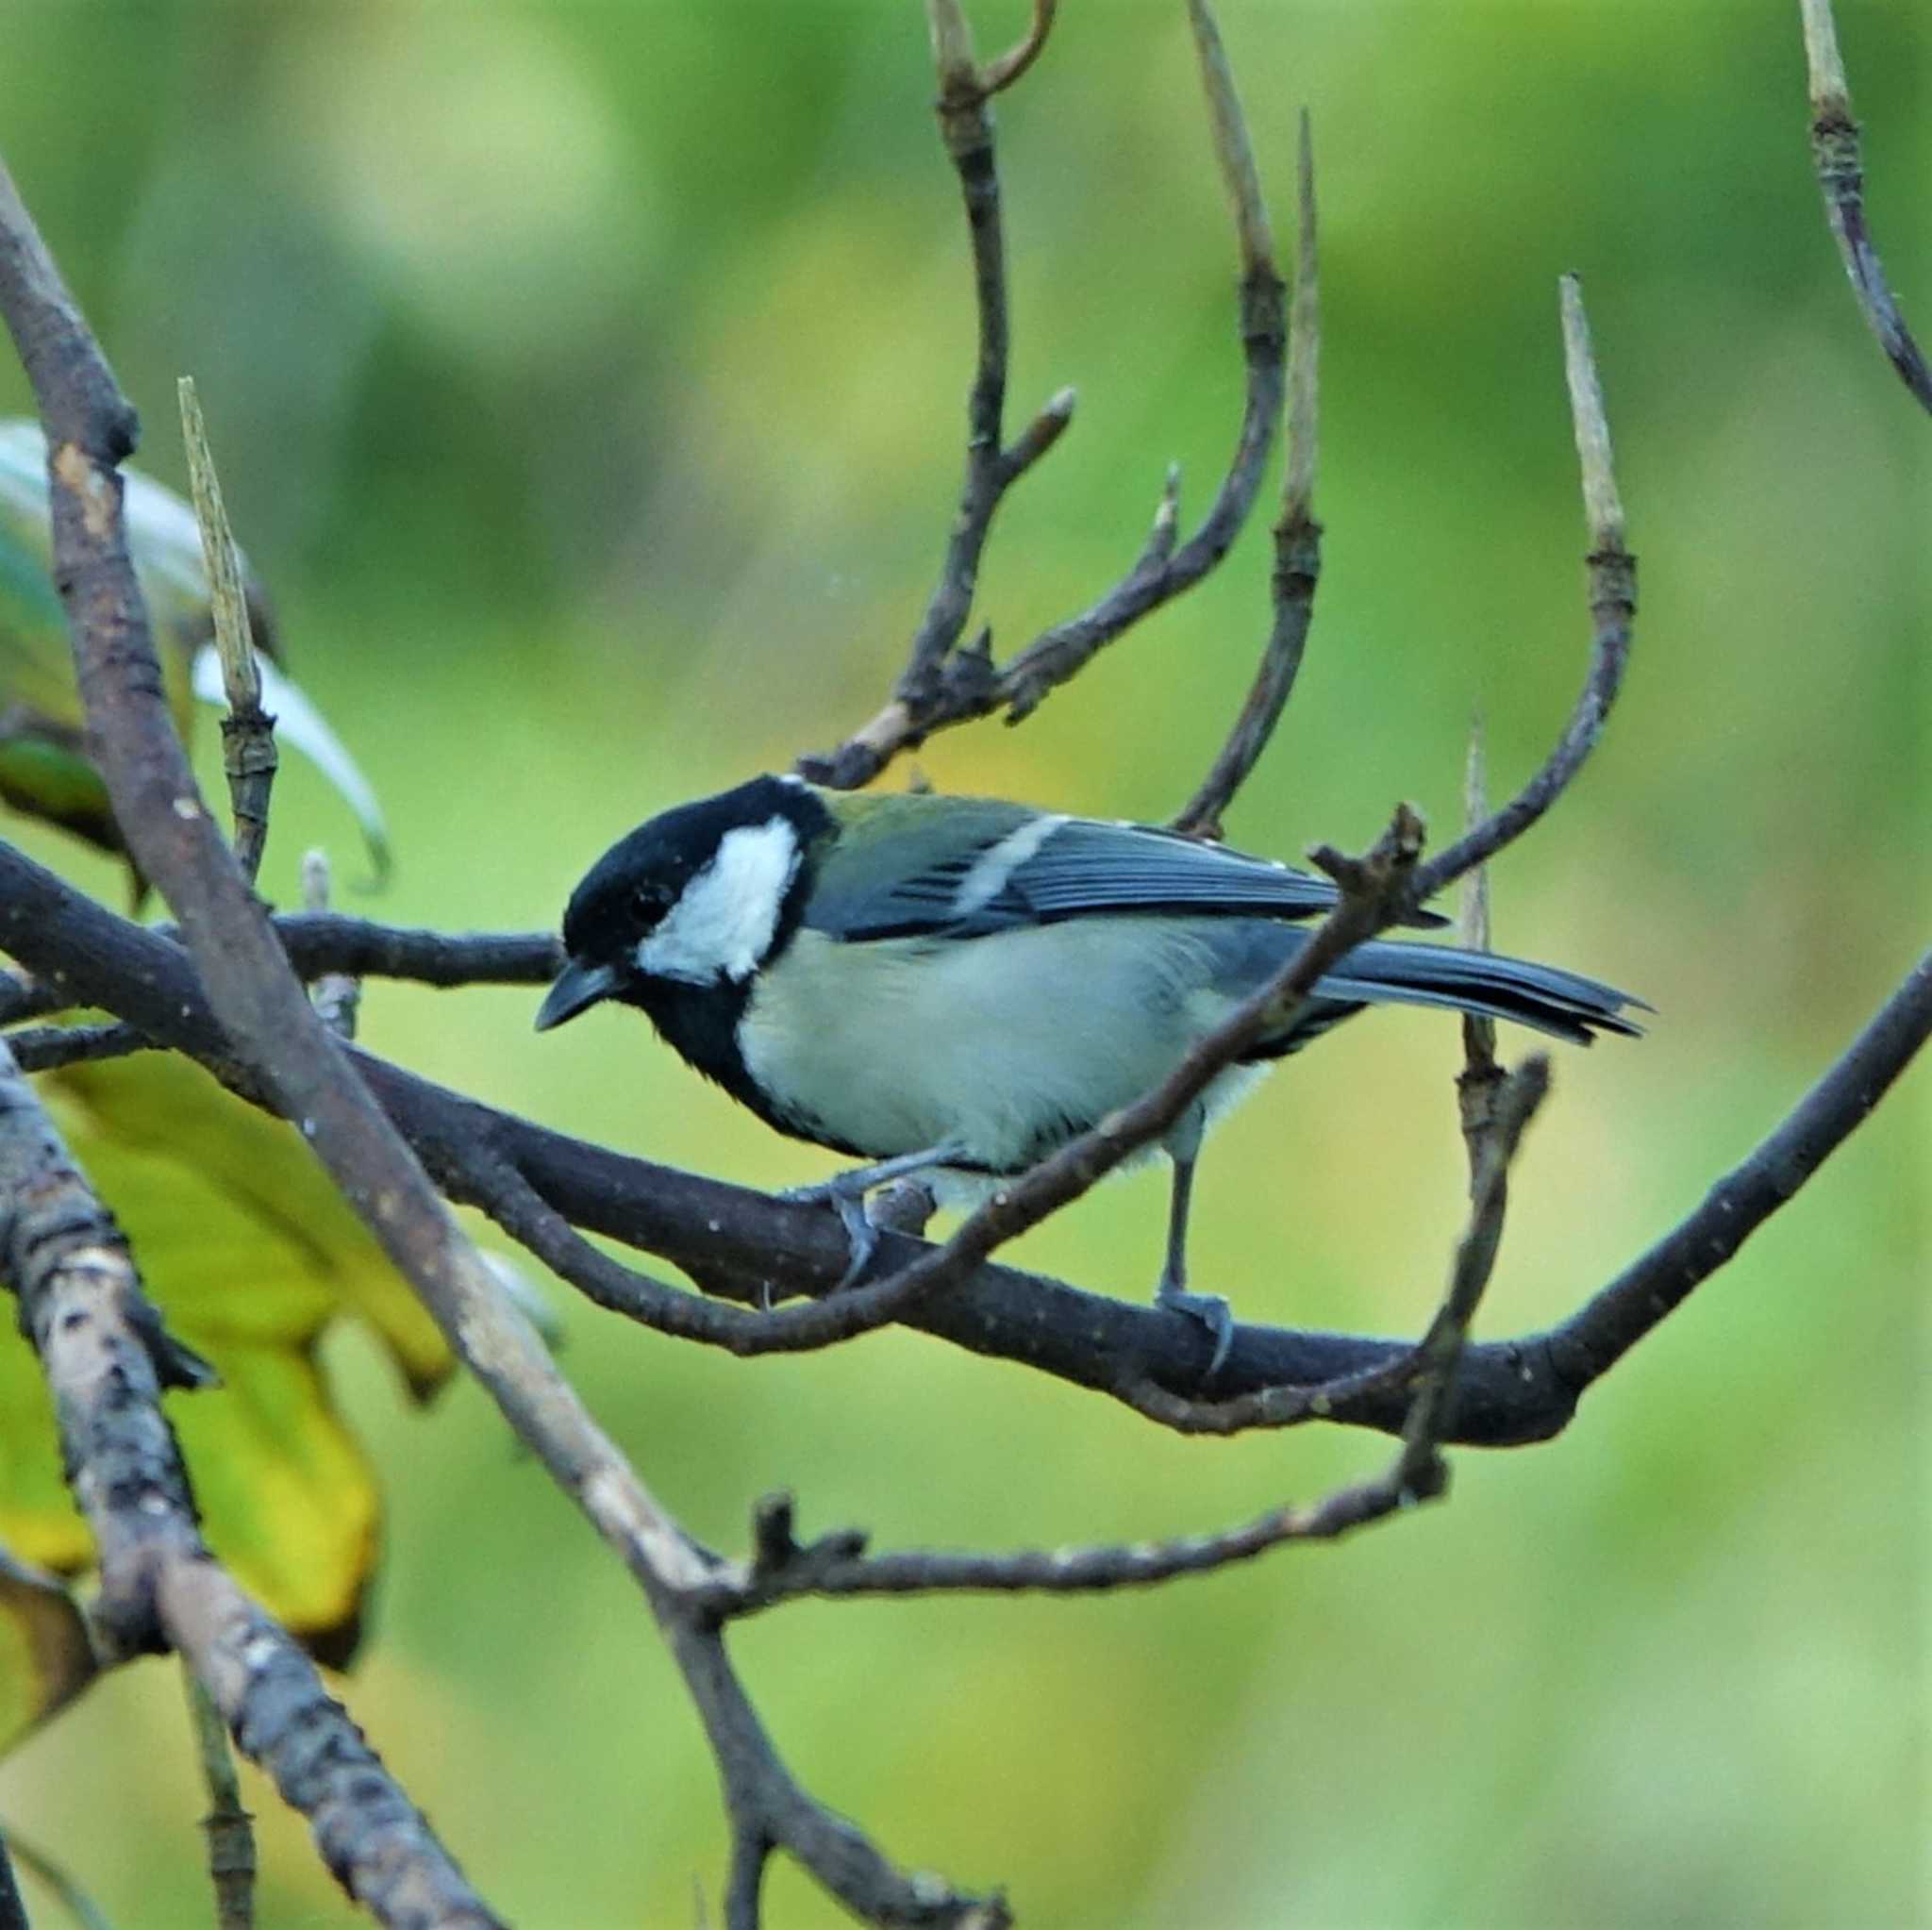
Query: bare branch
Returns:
{"type": "Point", "coordinates": [1612, 588]}
{"type": "Point", "coordinates": [1059, 653]}
{"type": "Point", "coordinates": [42, 1048]}
{"type": "Point", "coordinates": [1000, 74]}
{"type": "Point", "coordinates": [1417, 1472]}
{"type": "Point", "coordinates": [991, 467]}
{"type": "Point", "coordinates": [1839, 164]}
{"type": "Point", "coordinates": [1297, 535]}
{"type": "Point", "coordinates": [1479, 1082]}
{"type": "Point", "coordinates": [1592, 1340]}
{"type": "Point", "coordinates": [107, 1357]}
{"type": "Point", "coordinates": [248, 732]}
{"type": "Point", "coordinates": [1509, 1393]}
{"type": "Point", "coordinates": [942, 686]}
{"type": "Point", "coordinates": [1440, 1355]}
{"type": "Point", "coordinates": [337, 995]}
{"type": "Point", "coordinates": [279, 1052]}
{"type": "Point", "coordinates": [227, 1825]}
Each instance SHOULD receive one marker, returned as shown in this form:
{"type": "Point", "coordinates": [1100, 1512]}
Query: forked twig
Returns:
{"type": "Point", "coordinates": [941, 684]}
{"type": "Point", "coordinates": [992, 466]}
{"type": "Point", "coordinates": [836, 1565]}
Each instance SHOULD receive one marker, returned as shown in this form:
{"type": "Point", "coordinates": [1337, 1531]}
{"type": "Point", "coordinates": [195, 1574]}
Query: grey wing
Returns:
{"type": "Point", "coordinates": [1020, 868]}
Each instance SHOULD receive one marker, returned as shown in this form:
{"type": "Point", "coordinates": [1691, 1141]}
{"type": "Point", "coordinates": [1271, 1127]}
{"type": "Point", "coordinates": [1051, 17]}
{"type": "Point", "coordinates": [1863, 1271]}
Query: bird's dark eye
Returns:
{"type": "Point", "coordinates": [650, 902]}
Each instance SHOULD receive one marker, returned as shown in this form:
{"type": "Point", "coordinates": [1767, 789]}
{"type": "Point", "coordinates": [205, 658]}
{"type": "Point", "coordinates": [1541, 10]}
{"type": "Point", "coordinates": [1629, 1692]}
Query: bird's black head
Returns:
{"type": "Point", "coordinates": [700, 897]}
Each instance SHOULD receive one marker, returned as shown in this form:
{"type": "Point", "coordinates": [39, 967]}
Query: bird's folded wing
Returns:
{"type": "Point", "coordinates": [1003, 868]}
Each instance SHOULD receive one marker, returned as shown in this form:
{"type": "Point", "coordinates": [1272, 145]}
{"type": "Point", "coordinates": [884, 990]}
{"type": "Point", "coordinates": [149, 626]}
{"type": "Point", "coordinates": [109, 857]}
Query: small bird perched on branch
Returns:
{"type": "Point", "coordinates": [956, 987]}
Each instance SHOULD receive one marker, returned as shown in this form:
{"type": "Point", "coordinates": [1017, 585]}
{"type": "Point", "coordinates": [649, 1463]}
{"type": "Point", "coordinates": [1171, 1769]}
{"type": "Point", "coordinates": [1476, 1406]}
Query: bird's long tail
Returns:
{"type": "Point", "coordinates": [1390, 971]}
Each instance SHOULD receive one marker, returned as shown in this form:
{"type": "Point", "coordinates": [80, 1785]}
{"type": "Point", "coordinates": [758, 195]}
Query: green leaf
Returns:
{"type": "Point", "coordinates": [46, 1655]}
{"type": "Point", "coordinates": [250, 1254]}
{"type": "Point", "coordinates": [43, 768]}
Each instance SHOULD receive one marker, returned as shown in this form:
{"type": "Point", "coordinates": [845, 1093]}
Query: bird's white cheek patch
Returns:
{"type": "Point", "coordinates": [724, 925]}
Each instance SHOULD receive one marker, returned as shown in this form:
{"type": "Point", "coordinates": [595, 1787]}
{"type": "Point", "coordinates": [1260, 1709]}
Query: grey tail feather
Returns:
{"type": "Point", "coordinates": [1390, 971]}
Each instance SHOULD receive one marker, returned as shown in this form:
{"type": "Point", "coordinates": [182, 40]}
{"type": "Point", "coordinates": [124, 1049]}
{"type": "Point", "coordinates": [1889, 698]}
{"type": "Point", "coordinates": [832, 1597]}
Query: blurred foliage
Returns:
{"type": "Point", "coordinates": [250, 1253]}
{"type": "Point", "coordinates": [46, 1655]}
{"type": "Point", "coordinates": [587, 383]}
{"type": "Point", "coordinates": [44, 770]}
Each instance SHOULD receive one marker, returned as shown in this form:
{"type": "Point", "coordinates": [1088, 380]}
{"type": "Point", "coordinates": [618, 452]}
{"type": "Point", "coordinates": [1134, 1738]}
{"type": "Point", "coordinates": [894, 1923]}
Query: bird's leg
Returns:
{"type": "Point", "coordinates": [1210, 1309]}
{"type": "Point", "coordinates": [845, 1191]}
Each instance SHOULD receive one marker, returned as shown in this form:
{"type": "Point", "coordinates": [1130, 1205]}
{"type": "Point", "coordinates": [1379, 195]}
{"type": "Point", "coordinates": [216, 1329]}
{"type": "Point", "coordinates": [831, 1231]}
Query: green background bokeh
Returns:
{"type": "Point", "coordinates": [586, 381]}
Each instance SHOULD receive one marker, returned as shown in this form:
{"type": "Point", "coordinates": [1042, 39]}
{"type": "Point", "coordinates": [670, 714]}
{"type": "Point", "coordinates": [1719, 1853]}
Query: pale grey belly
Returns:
{"type": "Point", "coordinates": [1010, 1043]}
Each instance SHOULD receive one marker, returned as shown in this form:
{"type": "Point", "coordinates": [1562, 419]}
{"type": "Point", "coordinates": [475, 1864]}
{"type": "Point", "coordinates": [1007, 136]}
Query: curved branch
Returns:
{"type": "Point", "coordinates": [1612, 592]}
{"type": "Point", "coordinates": [279, 1049]}
{"type": "Point", "coordinates": [1297, 535]}
{"type": "Point", "coordinates": [1509, 1393]}
{"type": "Point", "coordinates": [1841, 169]}
{"type": "Point", "coordinates": [938, 689]}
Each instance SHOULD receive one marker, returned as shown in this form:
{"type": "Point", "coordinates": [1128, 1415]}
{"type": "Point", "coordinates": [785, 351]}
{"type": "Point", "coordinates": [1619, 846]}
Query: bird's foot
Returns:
{"type": "Point", "coordinates": [846, 1194]}
{"type": "Point", "coordinates": [1213, 1313]}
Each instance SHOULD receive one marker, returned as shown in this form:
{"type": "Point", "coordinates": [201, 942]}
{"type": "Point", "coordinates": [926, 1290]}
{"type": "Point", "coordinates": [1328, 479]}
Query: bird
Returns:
{"type": "Point", "coordinates": [956, 987]}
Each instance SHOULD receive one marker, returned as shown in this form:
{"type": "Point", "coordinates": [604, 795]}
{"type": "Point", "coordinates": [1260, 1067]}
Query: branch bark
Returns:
{"type": "Point", "coordinates": [106, 1358]}
{"type": "Point", "coordinates": [283, 1054]}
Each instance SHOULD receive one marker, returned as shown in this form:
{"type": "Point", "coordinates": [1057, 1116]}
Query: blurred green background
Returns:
{"type": "Point", "coordinates": [587, 382]}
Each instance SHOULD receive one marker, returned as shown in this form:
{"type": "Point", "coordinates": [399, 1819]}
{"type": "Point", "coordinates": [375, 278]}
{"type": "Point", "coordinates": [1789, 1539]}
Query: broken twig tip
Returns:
{"type": "Point", "coordinates": [1602, 507]}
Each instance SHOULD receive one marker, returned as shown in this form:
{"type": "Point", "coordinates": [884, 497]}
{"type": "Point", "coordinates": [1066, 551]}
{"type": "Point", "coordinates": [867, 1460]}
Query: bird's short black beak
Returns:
{"type": "Point", "coordinates": [578, 989]}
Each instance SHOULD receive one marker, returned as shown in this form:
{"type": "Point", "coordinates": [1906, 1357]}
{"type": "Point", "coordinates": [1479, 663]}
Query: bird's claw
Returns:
{"type": "Point", "coordinates": [1213, 1313]}
{"type": "Point", "coordinates": [848, 1202]}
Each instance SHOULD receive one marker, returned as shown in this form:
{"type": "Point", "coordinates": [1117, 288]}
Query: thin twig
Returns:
{"type": "Point", "coordinates": [337, 995]}
{"type": "Point", "coordinates": [1835, 155]}
{"type": "Point", "coordinates": [1416, 1473]}
{"type": "Point", "coordinates": [992, 466]}
{"type": "Point", "coordinates": [1477, 1084]}
{"type": "Point", "coordinates": [248, 732]}
{"type": "Point", "coordinates": [997, 75]}
{"type": "Point", "coordinates": [1297, 535]}
{"type": "Point", "coordinates": [944, 686]}
{"type": "Point", "coordinates": [229, 1826]}
{"type": "Point", "coordinates": [1440, 1355]}
{"type": "Point", "coordinates": [1061, 652]}
{"type": "Point", "coordinates": [1612, 594]}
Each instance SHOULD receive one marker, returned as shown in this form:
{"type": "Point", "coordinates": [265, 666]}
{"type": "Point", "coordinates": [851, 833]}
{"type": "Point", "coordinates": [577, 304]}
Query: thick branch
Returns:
{"type": "Point", "coordinates": [106, 1358]}
{"type": "Point", "coordinates": [283, 1052]}
{"type": "Point", "coordinates": [836, 1565]}
{"type": "Point", "coordinates": [1509, 1391]}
